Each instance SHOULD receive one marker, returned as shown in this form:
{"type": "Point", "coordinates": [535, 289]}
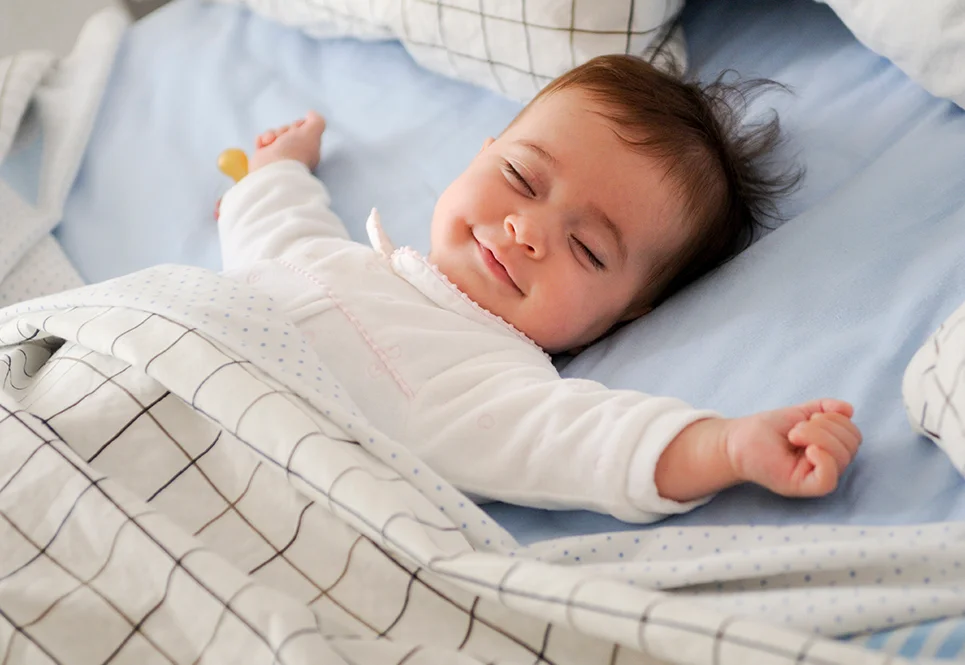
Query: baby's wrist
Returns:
{"type": "Point", "coordinates": [260, 160]}
{"type": "Point", "coordinates": [696, 463]}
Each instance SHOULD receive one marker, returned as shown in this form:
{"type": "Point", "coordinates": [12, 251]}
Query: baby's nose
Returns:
{"type": "Point", "coordinates": [526, 233]}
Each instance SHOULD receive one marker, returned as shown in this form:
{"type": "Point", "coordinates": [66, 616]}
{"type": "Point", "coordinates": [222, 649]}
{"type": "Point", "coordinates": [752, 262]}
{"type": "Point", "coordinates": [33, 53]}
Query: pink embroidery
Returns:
{"type": "Point", "coordinates": [356, 323]}
{"type": "Point", "coordinates": [408, 251]}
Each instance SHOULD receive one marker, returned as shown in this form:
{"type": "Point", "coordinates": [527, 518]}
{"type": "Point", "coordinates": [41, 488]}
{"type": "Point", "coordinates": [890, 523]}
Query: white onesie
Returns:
{"type": "Point", "coordinates": [473, 397]}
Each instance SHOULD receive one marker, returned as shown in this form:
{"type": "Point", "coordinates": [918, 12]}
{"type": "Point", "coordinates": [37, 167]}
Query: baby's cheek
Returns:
{"type": "Point", "coordinates": [556, 325]}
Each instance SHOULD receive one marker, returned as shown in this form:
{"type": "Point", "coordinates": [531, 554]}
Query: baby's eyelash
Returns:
{"type": "Point", "coordinates": [519, 178]}
{"type": "Point", "coordinates": [597, 263]}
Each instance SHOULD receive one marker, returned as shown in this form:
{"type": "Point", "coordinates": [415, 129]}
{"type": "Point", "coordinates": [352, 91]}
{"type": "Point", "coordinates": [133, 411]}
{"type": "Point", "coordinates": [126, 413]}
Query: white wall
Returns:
{"type": "Point", "coordinates": [46, 24]}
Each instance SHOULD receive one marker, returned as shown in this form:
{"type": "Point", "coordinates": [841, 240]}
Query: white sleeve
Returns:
{"type": "Point", "coordinates": [273, 208]}
{"type": "Point", "coordinates": [517, 432]}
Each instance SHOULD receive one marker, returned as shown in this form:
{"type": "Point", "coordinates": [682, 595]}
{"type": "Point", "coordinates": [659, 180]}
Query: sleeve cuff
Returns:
{"type": "Point", "coordinates": [641, 487]}
{"type": "Point", "coordinates": [256, 181]}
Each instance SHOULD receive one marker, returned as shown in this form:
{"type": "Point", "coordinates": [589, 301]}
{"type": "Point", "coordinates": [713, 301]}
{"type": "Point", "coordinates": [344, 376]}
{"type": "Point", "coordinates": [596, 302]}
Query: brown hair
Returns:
{"type": "Point", "coordinates": [696, 131]}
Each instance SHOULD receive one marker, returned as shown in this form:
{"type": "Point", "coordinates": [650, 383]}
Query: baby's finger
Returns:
{"type": "Point", "coordinates": [315, 121]}
{"type": "Point", "coordinates": [812, 433]}
{"type": "Point", "coordinates": [843, 428]}
{"type": "Point", "coordinates": [827, 406]}
{"type": "Point", "coordinates": [266, 138]}
{"type": "Point", "coordinates": [824, 478]}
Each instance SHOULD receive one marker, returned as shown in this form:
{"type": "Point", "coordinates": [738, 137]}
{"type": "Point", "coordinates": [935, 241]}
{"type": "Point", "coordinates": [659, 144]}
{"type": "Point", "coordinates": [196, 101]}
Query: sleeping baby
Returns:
{"type": "Point", "coordinates": [616, 186]}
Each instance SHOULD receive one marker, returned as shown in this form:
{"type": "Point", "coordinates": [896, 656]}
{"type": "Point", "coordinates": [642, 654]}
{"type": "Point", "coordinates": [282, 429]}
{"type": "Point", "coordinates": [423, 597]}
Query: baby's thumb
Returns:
{"type": "Point", "coordinates": [823, 479]}
{"type": "Point", "coordinates": [314, 122]}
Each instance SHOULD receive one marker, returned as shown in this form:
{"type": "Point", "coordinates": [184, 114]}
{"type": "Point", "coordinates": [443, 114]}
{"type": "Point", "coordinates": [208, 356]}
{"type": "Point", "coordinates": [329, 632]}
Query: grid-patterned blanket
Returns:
{"type": "Point", "coordinates": [180, 479]}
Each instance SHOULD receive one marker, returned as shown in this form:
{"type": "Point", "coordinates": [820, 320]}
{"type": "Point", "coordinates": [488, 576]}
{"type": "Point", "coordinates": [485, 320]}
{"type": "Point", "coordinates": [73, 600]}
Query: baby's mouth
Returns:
{"type": "Point", "coordinates": [496, 267]}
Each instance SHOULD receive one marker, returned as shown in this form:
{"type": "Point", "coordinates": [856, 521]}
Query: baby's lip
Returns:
{"type": "Point", "coordinates": [497, 266]}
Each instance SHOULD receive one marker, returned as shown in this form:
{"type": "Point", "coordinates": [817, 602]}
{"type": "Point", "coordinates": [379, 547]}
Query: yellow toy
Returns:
{"type": "Point", "coordinates": [233, 162]}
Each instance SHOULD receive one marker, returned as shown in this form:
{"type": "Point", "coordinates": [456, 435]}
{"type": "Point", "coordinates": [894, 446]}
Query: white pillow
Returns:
{"type": "Point", "coordinates": [934, 388]}
{"type": "Point", "coordinates": [512, 46]}
{"type": "Point", "coordinates": [926, 39]}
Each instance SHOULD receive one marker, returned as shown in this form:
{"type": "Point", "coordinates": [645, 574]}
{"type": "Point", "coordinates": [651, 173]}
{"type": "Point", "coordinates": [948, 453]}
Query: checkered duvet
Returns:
{"type": "Point", "coordinates": [181, 482]}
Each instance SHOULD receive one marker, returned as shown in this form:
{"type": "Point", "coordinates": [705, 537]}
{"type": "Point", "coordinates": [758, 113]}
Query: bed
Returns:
{"type": "Point", "coordinates": [835, 301]}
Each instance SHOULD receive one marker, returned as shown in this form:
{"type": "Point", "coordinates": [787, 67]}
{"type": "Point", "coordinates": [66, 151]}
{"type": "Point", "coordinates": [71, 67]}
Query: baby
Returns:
{"type": "Point", "coordinates": [613, 188]}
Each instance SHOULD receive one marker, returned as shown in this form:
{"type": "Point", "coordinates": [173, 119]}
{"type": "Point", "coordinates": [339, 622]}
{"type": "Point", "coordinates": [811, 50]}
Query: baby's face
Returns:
{"type": "Point", "coordinates": [557, 226]}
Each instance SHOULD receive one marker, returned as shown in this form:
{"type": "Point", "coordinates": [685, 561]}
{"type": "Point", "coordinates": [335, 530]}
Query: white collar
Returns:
{"type": "Point", "coordinates": [432, 283]}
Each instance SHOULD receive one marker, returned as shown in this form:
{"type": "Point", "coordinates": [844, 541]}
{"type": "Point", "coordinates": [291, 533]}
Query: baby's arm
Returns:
{"type": "Point", "coordinates": [279, 203]}
{"type": "Point", "coordinates": [519, 433]}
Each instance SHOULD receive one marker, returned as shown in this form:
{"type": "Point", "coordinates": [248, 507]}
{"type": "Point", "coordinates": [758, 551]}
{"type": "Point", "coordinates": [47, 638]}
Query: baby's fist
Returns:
{"type": "Point", "coordinates": [300, 141]}
{"type": "Point", "coordinates": [798, 451]}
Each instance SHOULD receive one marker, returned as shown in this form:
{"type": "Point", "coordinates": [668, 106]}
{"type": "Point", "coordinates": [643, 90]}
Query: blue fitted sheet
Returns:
{"type": "Point", "coordinates": [834, 302]}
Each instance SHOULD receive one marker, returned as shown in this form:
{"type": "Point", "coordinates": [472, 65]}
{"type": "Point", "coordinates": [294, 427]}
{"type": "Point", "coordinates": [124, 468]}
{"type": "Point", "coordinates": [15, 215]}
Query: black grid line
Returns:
{"type": "Point", "coordinates": [405, 604]}
{"type": "Point", "coordinates": [136, 628]}
{"type": "Point", "coordinates": [212, 484]}
{"type": "Point", "coordinates": [14, 475]}
{"type": "Point", "coordinates": [232, 504]}
{"type": "Point", "coordinates": [106, 379]}
{"type": "Point", "coordinates": [53, 360]}
{"type": "Point", "coordinates": [83, 583]}
{"type": "Point", "coordinates": [719, 639]}
{"type": "Point", "coordinates": [633, 5]}
{"type": "Point", "coordinates": [440, 26]}
{"type": "Point", "coordinates": [187, 331]}
{"type": "Point", "coordinates": [572, 33]}
{"type": "Point", "coordinates": [348, 560]}
{"type": "Point", "coordinates": [281, 552]}
{"type": "Point", "coordinates": [225, 610]}
{"type": "Point", "coordinates": [28, 637]}
{"type": "Point", "coordinates": [529, 46]}
{"type": "Point", "coordinates": [8, 376]}
{"type": "Point", "coordinates": [129, 330]}
{"type": "Point", "coordinates": [83, 325]}
{"type": "Point", "coordinates": [42, 551]}
{"type": "Point", "coordinates": [313, 630]}
{"type": "Point", "coordinates": [211, 374]}
{"type": "Point", "coordinates": [593, 607]}
{"type": "Point", "coordinates": [473, 617]}
{"type": "Point", "coordinates": [255, 401]}
{"type": "Point", "coordinates": [802, 654]}
{"type": "Point", "coordinates": [678, 624]}
{"type": "Point", "coordinates": [487, 51]}
{"type": "Point", "coordinates": [472, 622]}
{"type": "Point", "coordinates": [413, 651]}
{"type": "Point", "coordinates": [193, 462]}
{"type": "Point", "coordinates": [135, 625]}
{"type": "Point", "coordinates": [541, 656]}
{"type": "Point", "coordinates": [95, 484]}
{"type": "Point", "coordinates": [144, 409]}
{"type": "Point", "coordinates": [533, 24]}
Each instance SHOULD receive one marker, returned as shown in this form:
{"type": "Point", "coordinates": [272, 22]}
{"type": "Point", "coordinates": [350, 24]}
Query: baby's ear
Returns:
{"type": "Point", "coordinates": [488, 142]}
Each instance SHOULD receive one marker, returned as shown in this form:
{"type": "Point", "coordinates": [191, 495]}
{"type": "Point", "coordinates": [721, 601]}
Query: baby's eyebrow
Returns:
{"type": "Point", "coordinates": [540, 152]}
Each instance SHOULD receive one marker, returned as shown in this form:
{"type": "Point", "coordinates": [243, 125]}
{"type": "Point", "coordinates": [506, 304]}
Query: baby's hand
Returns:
{"type": "Point", "coordinates": [799, 451]}
{"type": "Point", "coordinates": [300, 141]}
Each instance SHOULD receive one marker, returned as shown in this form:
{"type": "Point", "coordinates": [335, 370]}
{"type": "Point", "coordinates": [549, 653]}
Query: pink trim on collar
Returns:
{"type": "Point", "coordinates": [408, 251]}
